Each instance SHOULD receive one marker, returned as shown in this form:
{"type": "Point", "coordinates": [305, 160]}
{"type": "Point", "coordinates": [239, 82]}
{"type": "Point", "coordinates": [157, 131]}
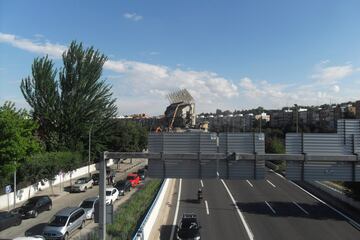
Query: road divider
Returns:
{"type": "Point", "coordinates": [302, 209]}
{"type": "Point", "coordinates": [270, 207]}
{"type": "Point", "coordinates": [176, 211]}
{"type": "Point", "coordinates": [207, 208]}
{"type": "Point", "coordinates": [249, 183]}
{"type": "Point", "coordinates": [147, 224]}
{"type": "Point", "coordinates": [273, 185]}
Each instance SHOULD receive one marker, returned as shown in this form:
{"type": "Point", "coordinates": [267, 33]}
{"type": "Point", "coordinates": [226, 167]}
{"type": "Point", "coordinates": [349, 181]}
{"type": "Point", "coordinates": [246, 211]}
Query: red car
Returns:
{"type": "Point", "coordinates": [134, 179]}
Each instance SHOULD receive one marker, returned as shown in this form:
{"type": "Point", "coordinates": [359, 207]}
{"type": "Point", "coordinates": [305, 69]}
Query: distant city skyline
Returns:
{"type": "Point", "coordinates": [229, 55]}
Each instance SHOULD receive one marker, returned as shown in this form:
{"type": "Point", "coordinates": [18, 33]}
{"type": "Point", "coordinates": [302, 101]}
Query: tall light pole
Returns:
{"type": "Point", "coordinates": [15, 185]}
{"type": "Point", "coordinates": [89, 160]}
{"type": "Point", "coordinates": [297, 118]}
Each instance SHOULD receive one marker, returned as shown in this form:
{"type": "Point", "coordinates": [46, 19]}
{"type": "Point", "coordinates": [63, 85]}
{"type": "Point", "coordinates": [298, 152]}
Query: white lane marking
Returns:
{"type": "Point", "coordinates": [302, 209]}
{"type": "Point", "coordinates": [207, 208]}
{"type": "Point", "coordinates": [249, 183]}
{"type": "Point", "coordinates": [176, 211]}
{"type": "Point", "coordinates": [247, 228]}
{"type": "Point", "coordinates": [278, 174]}
{"type": "Point", "coordinates": [202, 184]}
{"type": "Point", "coordinates": [217, 173]}
{"type": "Point", "coordinates": [351, 221]}
{"type": "Point", "coordinates": [270, 183]}
{"type": "Point", "coordinates": [270, 207]}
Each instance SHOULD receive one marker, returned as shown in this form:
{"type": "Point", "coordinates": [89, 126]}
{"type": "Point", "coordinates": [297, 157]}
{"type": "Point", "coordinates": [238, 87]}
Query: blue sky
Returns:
{"type": "Point", "coordinates": [228, 54]}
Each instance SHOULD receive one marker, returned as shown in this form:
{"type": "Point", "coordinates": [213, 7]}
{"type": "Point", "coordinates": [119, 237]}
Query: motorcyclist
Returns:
{"type": "Point", "coordinates": [199, 194]}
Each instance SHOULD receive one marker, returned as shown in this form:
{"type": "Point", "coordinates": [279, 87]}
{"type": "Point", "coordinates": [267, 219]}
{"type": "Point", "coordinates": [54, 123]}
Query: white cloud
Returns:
{"type": "Point", "coordinates": [54, 50]}
{"type": "Point", "coordinates": [336, 88]}
{"type": "Point", "coordinates": [142, 87]}
{"type": "Point", "coordinates": [332, 74]}
{"type": "Point", "coordinates": [133, 16]}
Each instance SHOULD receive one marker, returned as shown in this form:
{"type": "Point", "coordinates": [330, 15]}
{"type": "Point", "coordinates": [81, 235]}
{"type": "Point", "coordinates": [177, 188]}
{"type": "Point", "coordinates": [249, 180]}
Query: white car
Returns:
{"type": "Point", "coordinates": [112, 194]}
{"type": "Point", "coordinates": [82, 184]}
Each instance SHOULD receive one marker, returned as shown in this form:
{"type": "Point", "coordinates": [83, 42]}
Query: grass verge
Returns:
{"type": "Point", "coordinates": [129, 214]}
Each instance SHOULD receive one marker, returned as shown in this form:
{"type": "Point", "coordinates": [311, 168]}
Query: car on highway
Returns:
{"type": "Point", "coordinates": [134, 179]}
{"type": "Point", "coordinates": [123, 186]}
{"type": "Point", "coordinates": [95, 177]}
{"type": "Point", "coordinates": [112, 194]}
{"type": "Point", "coordinates": [64, 223]}
{"type": "Point", "coordinates": [82, 184]}
{"type": "Point", "coordinates": [142, 173]}
{"type": "Point", "coordinates": [189, 227]}
{"type": "Point", "coordinates": [35, 205]}
{"type": "Point", "coordinates": [89, 206]}
{"type": "Point", "coordinates": [9, 219]}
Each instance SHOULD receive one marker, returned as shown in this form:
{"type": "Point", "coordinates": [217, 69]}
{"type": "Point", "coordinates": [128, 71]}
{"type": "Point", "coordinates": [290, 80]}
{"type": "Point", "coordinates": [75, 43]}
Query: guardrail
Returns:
{"type": "Point", "coordinates": [145, 227]}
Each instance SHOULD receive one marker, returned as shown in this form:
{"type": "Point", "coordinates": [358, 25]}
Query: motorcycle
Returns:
{"type": "Point", "coordinates": [200, 197]}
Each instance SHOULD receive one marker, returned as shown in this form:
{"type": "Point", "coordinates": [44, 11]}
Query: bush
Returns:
{"type": "Point", "coordinates": [128, 215]}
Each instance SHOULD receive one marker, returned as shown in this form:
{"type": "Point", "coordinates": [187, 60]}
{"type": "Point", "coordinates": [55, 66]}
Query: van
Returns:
{"type": "Point", "coordinates": [64, 223]}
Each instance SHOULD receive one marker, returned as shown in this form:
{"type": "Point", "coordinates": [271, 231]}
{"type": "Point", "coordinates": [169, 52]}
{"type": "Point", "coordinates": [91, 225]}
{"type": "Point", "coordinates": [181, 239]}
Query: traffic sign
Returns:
{"type": "Point", "coordinates": [8, 189]}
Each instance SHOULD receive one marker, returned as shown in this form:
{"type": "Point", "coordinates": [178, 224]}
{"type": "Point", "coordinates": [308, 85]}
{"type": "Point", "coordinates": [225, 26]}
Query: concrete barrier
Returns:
{"type": "Point", "coordinates": [144, 230]}
{"type": "Point", "coordinates": [29, 191]}
{"type": "Point", "coordinates": [336, 194]}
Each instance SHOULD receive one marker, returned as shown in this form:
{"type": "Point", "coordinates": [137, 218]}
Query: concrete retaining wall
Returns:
{"type": "Point", "coordinates": [145, 228]}
{"type": "Point", "coordinates": [336, 194]}
{"type": "Point", "coordinates": [29, 191]}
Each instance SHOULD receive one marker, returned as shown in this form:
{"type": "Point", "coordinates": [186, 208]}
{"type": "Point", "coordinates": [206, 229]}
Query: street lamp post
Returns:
{"type": "Point", "coordinates": [15, 185]}
{"type": "Point", "coordinates": [89, 160]}
{"type": "Point", "coordinates": [297, 118]}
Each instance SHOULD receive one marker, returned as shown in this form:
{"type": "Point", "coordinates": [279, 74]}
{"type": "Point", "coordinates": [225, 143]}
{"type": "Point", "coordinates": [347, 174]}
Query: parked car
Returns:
{"type": "Point", "coordinates": [112, 194]}
{"type": "Point", "coordinates": [89, 206]}
{"type": "Point", "coordinates": [9, 219]}
{"type": "Point", "coordinates": [142, 173]}
{"type": "Point", "coordinates": [82, 184]}
{"type": "Point", "coordinates": [123, 186]}
{"type": "Point", "coordinates": [35, 205]}
{"type": "Point", "coordinates": [64, 223]}
{"type": "Point", "coordinates": [134, 179]}
{"type": "Point", "coordinates": [189, 227]}
{"type": "Point", "coordinates": [95, 177]}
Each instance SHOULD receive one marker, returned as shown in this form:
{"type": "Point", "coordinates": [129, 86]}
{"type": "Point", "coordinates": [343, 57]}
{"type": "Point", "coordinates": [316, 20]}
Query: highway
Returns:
{"type": "Point", "coordinates": [274, 208]}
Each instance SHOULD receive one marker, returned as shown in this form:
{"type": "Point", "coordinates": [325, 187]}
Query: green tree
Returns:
{"type": "Point", "coordinates": [68, 107]}
{"type": "Point", "coordinates": [17, 140]}
{"type": "Point", "coordinates": [127, 137]}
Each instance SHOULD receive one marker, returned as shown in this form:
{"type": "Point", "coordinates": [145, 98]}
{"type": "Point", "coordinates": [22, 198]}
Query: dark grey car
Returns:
{"type": "Point", "coordinates": [9, 219]}
{"type": "Point", "coordinates": [35, 205]}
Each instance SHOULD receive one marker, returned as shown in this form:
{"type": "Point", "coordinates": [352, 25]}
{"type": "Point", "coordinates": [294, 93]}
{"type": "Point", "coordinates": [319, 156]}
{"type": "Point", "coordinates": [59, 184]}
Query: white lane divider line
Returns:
{"type": "Point", "coordinates": [247, 228]}
{"type": "Point", "coordinates": [278, 174]}
{"type": "Point", "coordinates": [202, 184]}
{"type": "Point", "coordinates": [351, 221]}
{"type": "Point", "coordinates": [207, 208]}
{"type": "Point", "coordinates": [249, 183]}
{"type": "Point", "coordinates": [270, 207]}
{"type": "Point", "coordinates": [302, 209]}
{"type": "Point", "coordinates": [270, 183]}
{"type": "Point", "coordinates": [176, 211]}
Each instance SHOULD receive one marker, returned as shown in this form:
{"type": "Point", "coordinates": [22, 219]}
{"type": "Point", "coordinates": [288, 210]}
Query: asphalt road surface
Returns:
{"type": "Point", "coordinates": [274, 208]}
{"type": "Point", "coordinates": [35, 225]}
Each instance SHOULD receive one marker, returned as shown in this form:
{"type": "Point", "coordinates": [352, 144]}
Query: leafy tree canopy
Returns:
{"type": "Point", "coordinates": [67, 105]}
{"type": "Point", "coordinates": [17, 139]}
